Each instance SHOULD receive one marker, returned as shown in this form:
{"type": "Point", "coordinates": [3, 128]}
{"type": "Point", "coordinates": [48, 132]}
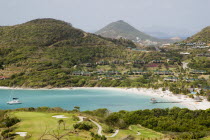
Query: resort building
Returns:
{"type": "Point", "coordinates": [172, 79]}
{"type": "Point", "coordinates": [81, 73]}
{"type": "Point", "coordinates": [113, 77]}
{"type": "Point", "coordinates": [139, 62]}
{"type": "Point", "coordinates": [191, 79]}
{"type": "Point", "coordinates": [139, 72]}
{"type": "Point", "coordinates": [3, 77]}
{"type": "Point", "coordinates": [163, 73]}
{"type": "Point", "coordinates": [184, 53]}
{"type": "Point", "coordinates": [113, 73]}
{"type": "Point", "coordinates": [102, 63]}
{"type": "Point", "coordinates": [204, 54]}
{"type": "Point", "coordinates": [198, 72]}
{"type": "Point", "coordinates": [158, 61]}
{"type": "Point", "coordinates": [118, 62]}
{"type": "Point", "coordinates": [89, 65]}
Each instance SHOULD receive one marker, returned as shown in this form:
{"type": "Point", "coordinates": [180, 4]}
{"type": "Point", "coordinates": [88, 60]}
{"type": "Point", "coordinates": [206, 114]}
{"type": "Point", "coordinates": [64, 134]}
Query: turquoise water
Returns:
{"type": "Point", "coordinates": [87, 99]}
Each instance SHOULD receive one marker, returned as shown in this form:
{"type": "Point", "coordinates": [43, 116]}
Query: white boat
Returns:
{"type": "Point", "coordinates": [153, 100]}
{"type": "Point", "coordinates": [14, 101]}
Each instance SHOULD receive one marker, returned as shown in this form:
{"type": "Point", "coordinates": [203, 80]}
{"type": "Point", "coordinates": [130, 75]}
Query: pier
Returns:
{"type": "Point", "coordinates": [154, 101]}
{"type": "Point", "coordinates": [168, 102]}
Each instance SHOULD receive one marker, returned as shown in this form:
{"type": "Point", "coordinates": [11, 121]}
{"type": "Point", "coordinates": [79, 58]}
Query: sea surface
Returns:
{"type": "Point", "coordinates": [86, 99]}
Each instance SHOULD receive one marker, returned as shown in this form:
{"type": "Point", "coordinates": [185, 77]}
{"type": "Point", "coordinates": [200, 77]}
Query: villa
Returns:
{"type": "Point", "coordinates": [102, 63]}
{"type": "Point", "coordinates": [163, 73]}
{"type": "Point", "coordinates": [158, 61]}
{"type": "Point", "coordinates": [139, 62]}
{"type": "Point", "coordinates": [198, 72]}
{"type": "Point", "coordinates": [139, 72]}
{"type": "Point", "coordinates": [172, 79]}
{"type": "Point", "coordinates": [81, 73]}
{"type": "Point", "coordinates": [3, 77]}
{"type": "Point", "coordinates": [185, 53]}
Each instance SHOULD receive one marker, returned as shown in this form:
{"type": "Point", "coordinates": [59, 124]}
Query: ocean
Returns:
{"type": "Point", "coordinates": [86, 99]}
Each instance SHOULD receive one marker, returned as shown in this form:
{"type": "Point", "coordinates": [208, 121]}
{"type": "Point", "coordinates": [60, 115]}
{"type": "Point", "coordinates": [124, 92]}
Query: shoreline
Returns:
{"type": "Point", "coordinates": [154, 93]}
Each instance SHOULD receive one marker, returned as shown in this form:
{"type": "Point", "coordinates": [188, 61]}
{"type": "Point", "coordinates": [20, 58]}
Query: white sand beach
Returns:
{"type": "Point", "coordinates": [154, 93]}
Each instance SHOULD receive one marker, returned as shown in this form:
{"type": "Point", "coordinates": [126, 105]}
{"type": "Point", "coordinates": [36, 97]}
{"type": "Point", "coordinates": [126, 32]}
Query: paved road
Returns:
{"type": "Point", "coordinates": [115, 133]}
{"type": "Point", "coordinates": [99, 127]}
{"type": "Point", "coordinates": [138, 133]}
{"type": "Point", "coordinates": [81, 119]}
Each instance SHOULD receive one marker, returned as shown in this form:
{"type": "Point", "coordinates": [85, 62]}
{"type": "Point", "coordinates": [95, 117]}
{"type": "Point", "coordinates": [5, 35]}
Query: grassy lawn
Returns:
{"type": "Point", "coordinates": [145, 133]}
{"type": "Point", "coordinates": [35, 123]}
{"type": "Point", "coordinates": [207, 138]}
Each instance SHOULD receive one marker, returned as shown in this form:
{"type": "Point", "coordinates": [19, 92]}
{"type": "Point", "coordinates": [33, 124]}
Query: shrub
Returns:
{"type": "Point", "coordinates": [108, 129]}
{"type": "Point", "coordinates": [83, 126]}
{"type": "Point", "coordinates": [75, 118]}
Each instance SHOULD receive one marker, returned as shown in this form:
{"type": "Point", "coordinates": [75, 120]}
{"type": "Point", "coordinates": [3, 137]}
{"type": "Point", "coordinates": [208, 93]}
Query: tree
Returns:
{"type": "Point", "coordinates": [76, 108]}
{"type": "Point", "coordinates": [59, 123]}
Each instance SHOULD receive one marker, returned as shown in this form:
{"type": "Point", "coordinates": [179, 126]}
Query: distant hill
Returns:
{"type": "Point", "coordinates": [176, 39]}
{"type": "Point", "coordinates": [122, 29]}
{"type": "Point", "coordinates": [202, 36]}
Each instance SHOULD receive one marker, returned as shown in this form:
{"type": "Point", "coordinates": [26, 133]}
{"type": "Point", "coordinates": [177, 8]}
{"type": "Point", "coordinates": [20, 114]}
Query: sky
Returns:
{"type": "Point", "coordinates": [172, 17]}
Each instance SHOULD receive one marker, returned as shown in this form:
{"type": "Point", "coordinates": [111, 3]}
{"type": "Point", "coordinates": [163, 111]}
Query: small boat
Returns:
{"type": "Point", "coordinates": [14, 101]}
{"type": "Point", "coordinates": [153, 100]}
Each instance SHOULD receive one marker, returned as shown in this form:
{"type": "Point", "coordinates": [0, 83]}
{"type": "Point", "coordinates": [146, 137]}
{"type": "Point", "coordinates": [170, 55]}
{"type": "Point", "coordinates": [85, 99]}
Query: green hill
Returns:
{"type": "Point", "coordinates": [46, 49]}
{"type": "Point", "coordinates": [40, 32]}
{"type": "Point", "coordinates": [122, 29]}
{"type": "Point", "coordinates": [202, 36]}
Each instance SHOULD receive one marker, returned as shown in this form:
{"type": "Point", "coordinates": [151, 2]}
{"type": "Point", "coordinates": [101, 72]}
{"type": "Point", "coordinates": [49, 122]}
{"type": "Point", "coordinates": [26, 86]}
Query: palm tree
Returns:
{"type": "Point", "coordinates": [59, 123]}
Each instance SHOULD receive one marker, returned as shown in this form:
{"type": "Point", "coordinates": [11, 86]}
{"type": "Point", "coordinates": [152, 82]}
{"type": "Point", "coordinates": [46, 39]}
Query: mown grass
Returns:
{"type": "Point", "coordinates": [36, 123]}
{"type": "Point", "coordinates": [207, 138]}
{"type": "Point", "coordinates": [133, 129]}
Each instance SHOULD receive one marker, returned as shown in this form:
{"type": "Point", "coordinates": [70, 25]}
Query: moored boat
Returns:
{"type": "Point", "coordinates": [153, 100]}
{"type": "Point", "coordinates": [14, 101]}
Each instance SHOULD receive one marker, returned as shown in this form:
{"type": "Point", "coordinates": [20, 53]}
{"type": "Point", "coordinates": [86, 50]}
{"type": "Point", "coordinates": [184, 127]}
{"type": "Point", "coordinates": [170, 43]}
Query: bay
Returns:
{"type": "Point", "coordinates": [86, 99]}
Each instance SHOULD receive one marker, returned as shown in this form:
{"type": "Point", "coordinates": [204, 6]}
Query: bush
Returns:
{"type": "Point", "coordinates": [97, 137]}
{"type": "Point", "coordinates": [83, 126]}
{"type": "Point", "coordinates": [8, 122]}
{"type": "Point", "coordinates": [75, 118]}
{"type": "Point", "coordinates": [108, 129]}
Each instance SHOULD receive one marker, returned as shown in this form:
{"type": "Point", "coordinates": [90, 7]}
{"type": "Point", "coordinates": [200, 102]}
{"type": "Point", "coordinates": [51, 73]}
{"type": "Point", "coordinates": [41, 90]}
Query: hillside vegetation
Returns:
{"type": "Point", "coordinates": [202, 36]}
{"type": "Point", "coordinates": [45, 48]}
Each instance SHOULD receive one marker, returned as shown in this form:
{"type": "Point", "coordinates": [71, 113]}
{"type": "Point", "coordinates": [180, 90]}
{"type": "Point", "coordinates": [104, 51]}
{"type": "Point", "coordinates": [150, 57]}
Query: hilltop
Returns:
{"type": "Point", "coordinates": [46, 32]}
{"type": "Point", "coordinates": [39, 32]}
{"type": "Point", "coordinates": [202, 36]}
{"type": "Point", "coordinates": [122, 29]}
